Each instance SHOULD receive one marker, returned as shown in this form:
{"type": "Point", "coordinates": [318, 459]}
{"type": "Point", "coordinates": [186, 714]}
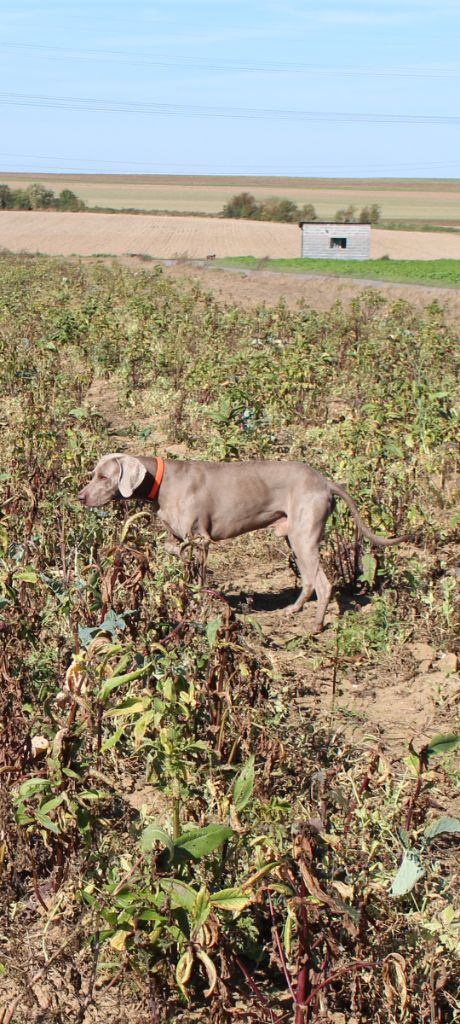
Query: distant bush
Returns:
{"type": "Point", "coordinates": [243, 206]}
{"type": "Point", "coordinates": [346, 216]}
{"type": "Point", "coordinates": [278, 210]}
{"type": "Point", "coordinates": [37, 197]}
{"type": "Point", "coordinates": [40, 198]}
{"type": "Point", "coordinates": [19, 199]}
{"type": "Point", "coordinates": [67, 200]}
{"type": "Point", "coordinates": [370, 214]}
{"type": "Point", "coordinates": [4, 197]}
{"type": "Point", "coordinates": [308, 212]}
{"type": "Point", "coordinates": [350, 215]}
{"type": "Point", "coordinates": [246, 206]}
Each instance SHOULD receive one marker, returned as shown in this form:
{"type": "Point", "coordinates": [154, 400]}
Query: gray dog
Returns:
{"type": "Point", "coordinates": [211, 501]}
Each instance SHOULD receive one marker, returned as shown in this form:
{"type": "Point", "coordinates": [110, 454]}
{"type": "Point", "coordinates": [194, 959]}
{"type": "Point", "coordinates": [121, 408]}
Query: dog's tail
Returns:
{"type": "Point", "coordinates": [363, 529]}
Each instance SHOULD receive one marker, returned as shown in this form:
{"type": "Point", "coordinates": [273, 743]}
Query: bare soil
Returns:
{"type": "Point", "coordinates": [166, 237]}
{"type": "Point", "coordinates": [249, 288]}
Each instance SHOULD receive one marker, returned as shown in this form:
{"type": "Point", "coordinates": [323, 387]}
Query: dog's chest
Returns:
{"type": "Point", "coordinates": [175, 521]}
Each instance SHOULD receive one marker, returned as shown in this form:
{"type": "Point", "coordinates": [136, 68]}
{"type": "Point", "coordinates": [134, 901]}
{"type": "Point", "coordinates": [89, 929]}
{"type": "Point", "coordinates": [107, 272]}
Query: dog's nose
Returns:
{"type": "Point", "coordinates": [81, 497]}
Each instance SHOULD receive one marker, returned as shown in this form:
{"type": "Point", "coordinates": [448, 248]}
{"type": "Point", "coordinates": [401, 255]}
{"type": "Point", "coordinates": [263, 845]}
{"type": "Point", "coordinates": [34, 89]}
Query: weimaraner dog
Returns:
{"type": "Point", "coordinates": [212, 501]}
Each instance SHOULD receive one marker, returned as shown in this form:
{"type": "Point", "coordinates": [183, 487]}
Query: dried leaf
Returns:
{"type": "Point", "coordinates": [75, 677]}
{"type": "Point", "coordinates": [39, 745]}
{"type": "Point", "coordinates": [395, 964]}
{"type": "Point", "coordinates": [210, 971]}
{"type": "Point", "coordinates": [345, 891]}
{"type": "Point", "coordinates": [184, 971]}
{"type": "Point", "coordinates": [118, 940]}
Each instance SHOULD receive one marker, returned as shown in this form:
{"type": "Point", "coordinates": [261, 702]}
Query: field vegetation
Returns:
{"type": "Point", "coordinates": [180, 842]}
{"type": "Point", "coordinates": [244, 205]}
{"type": "Point", "coordinates": [438, 273]}
{"type": "Point", "coordinates": [408, 200]}
{"type": "Point", "coordinates": [37, 197]}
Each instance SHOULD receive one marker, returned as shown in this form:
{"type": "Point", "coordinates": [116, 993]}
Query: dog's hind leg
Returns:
{"type": "Point", "coordinates": [307, 559]}
{"type": "Point", "coordinates": [306, 526]}
{"type": "Point", "coordinates": [323, 593]}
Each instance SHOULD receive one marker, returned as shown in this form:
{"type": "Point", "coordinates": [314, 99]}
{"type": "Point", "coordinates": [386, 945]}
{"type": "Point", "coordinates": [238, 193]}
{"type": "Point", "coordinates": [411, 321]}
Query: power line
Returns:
{"type": "Point", "coordinates": [91, 103]}
{"type": "Point", "coordinates": [224, 168]}
{"type": "Point", "coordinates": [182, 62]}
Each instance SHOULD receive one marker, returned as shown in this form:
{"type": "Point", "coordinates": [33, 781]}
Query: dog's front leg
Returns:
{"type": "Point", "coordinates": [200, 545]}
{"type": "Point", "coordinates": [173, 549]}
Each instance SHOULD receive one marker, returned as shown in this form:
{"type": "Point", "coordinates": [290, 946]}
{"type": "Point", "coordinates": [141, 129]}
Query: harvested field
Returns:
{"type": "Point", "coordinates": [166, 237]}
{"type": "Point", "coordinates": [426, 200]}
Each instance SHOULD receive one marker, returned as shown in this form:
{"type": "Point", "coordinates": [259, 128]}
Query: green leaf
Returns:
{"type": "Point", "coordinates": [113, 739]}
{"type": "Point", "coordinates": [369, 569]}
{"type": "Point", "coordinates": [32, 786]}
{"type": "Point", "coordinates": [47, 823]}
{"type": "Point", "coordinates": [444, 824]}
{"type": "Point", "coordinates": [404, 838]}
{"type": "Point", "coordinates": [130, 706]}
{"type": "Point", "coordinates": [150, 915]}
{"type": "Point", "coordinates": [142, 725]}
{"type": "Point", "coordinates": [154, 834]}
{"type": "Point", "coordinates": [229, 899]}
{"type": "Point", "coordinates": [200, 841]}
{"type": "Point", "coordinates": [443, 743]}
{"type": "Point", "coordinates": [71, 774]}
{"type": "Point", "coordinates": [212, 630]}
{"type": "Point", "coordinates": [201, 909]}
{"type": "Point", "coordinates": [114, 681]}
{"type": "Point", "coordinates": [410, 872]}
{"type": "Point", "coordinates": [244, 785]}
{"type": "Point", "coordinates": [49, 805]}
{"type": "Point", "coordinates": [111, 624]}
{"type": "Point", "coordinates": [295, 642]}
{"type": "Point", "coordinates": [182, 895]}
{"type": "Point", "coordinates": [80, 413]}
{"type": "Point", "coordinates": [27, 576]}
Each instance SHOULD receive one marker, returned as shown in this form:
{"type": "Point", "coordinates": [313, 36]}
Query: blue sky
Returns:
{"type": "Point", "coordinates": [332, 88]}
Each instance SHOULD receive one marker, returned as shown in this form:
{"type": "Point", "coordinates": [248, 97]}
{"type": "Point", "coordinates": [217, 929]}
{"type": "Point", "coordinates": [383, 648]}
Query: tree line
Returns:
{"type": "Point", "coordinates": [37, 197]}
{"type": "Point", "coordinates": [245, 206]}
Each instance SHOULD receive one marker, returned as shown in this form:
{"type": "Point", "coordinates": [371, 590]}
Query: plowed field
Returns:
{"type": "Point", "coordinates": [194, 237]}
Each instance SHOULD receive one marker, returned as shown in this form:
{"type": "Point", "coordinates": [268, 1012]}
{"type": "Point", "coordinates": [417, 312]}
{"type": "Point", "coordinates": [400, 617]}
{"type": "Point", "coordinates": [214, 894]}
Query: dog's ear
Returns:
{"type": "Point", "coordinates": [132, 473]}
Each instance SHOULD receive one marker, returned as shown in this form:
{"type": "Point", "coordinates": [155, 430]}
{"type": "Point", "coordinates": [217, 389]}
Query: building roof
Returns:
{"type": "Point", "coordinates": [337, 223]}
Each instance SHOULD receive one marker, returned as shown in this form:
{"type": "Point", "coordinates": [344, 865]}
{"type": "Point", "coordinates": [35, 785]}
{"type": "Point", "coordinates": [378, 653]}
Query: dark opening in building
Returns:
{"type": "Point", "coordinates": [338, 243]}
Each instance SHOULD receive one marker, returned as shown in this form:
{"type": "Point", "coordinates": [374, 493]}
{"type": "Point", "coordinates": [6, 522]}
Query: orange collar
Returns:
{"type": "Point", "coordinates": [158, 478]}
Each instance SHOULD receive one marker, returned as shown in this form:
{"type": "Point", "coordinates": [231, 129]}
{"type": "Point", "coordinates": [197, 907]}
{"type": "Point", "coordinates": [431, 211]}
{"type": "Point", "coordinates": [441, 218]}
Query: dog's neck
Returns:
{"type": "Point", "coordinates": [150, 486]}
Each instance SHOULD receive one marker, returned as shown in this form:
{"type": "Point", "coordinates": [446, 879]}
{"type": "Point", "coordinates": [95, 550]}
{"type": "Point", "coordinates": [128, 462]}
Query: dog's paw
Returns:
{"type": "Point", "coordinates": [316, 628]}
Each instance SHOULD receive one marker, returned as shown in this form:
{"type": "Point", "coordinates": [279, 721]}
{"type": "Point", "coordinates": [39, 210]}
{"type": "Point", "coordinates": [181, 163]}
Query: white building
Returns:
{"type": "Point", "coordinates": [324, 240]}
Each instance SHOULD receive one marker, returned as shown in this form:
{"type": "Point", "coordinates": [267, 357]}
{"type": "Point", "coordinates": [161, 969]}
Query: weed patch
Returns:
{"type": "Point", "coordinates": [177, 844]}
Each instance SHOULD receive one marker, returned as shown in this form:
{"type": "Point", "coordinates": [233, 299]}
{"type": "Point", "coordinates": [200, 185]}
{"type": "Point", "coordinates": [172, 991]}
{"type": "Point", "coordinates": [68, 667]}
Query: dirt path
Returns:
{"type": "Point", "coordinates": [254, 288]}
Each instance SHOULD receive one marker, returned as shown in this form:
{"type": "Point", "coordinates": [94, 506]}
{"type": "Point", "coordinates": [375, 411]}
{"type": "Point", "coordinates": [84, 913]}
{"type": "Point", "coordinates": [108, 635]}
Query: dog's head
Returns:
{"type": "Point", "coordinates": [115, 476]}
